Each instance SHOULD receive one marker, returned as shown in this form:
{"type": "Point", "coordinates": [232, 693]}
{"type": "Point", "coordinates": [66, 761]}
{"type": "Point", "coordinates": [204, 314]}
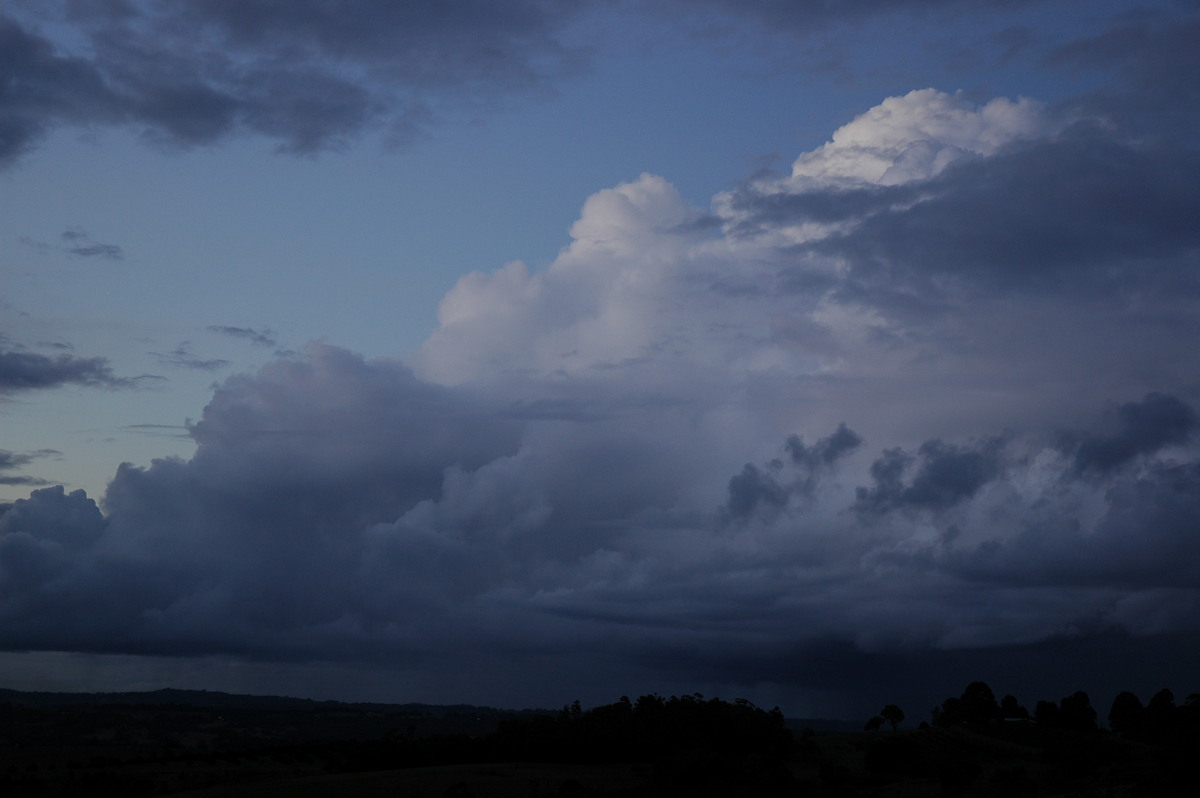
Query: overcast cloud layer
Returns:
{"type": "Point", "coordinates": [922, 407]}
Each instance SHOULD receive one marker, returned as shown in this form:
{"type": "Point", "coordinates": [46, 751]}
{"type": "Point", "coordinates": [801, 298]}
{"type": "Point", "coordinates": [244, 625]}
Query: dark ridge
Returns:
{"type": "Point", "coordinates": [212, 699]}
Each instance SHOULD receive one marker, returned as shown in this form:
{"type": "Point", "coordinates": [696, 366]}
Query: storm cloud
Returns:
{"type": "Point", "coordinates": [922, 404]}
{"type": "Point", "coordinates": [1141, 428]}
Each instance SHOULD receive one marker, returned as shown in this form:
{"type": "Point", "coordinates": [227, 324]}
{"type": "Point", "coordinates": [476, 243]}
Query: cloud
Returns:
{"type": "Point", "coordinates": [256, 337]}
{"type": "Point", "coordinates": [52, 89]}
{"type": "Point", "coordinates": [305, 74]}
{"type": "Point", "coordinates": [946, 475]}
{"type": "Point", "coordinates": [80, 243]}
{"type": "Point", "coordinates": [15, 461]}
{"type": "Point", "coordinates": [926, 196]}
{"type": "Point", "coordinates": [183, 357]}
{"type": "Point", "coordinates": [762, 489]}
{"type": "Point", "coordinates": [1155, 70]}
{"type": "Point", "coordinates": [1142, 428]}
{"type": "Point", "coordinates": [916, 137]}
{"type": "Point", "coordinates": [340, 508]}
{"type": "Point", "coordinates": [303, 458]}
{"type": "Point", "coordinates": [809, 17]}
{"type": "Point", "coordinates": [825, 452]}
{"type": "Point", "coordinates": [24, 371]}
{"type": "Point", "coordinates": [160, 430]}
{"type": "Point", "coordinates": [754, 488]}
{"type": "Point", "coordinates": [1130, 542]}
{"type": "Point", "coordinates": [921, 402]}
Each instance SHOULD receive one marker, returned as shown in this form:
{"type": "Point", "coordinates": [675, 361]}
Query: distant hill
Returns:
{"type": "Point", "coordinates": [217, 700]}
{"type": "Point", "coordinates": [211, 699]}
{"type": "Point", "coordinates": [214, 699]}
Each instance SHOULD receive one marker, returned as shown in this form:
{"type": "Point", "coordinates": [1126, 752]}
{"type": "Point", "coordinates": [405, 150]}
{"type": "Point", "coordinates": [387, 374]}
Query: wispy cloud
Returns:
{"type": "Point", "coordinates": [24, 371]}
{"type": "Point", "coordinates": [78, 242]}
{"type": "Point", "coordinates": [182, 356]}
{"type": "Point", "coordinates": [178, 431]}
{"type": "Point", "coordinates": [256, 337]}
{"type": "Point", "coordinates": [16, 461]}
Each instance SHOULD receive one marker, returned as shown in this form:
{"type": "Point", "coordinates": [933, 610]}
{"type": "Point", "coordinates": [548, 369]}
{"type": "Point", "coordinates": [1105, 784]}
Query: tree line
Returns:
{"type": "Point", "coordinates": [1158, 720]}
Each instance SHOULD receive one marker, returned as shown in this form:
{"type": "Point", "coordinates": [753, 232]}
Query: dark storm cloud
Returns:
{"type": "Point", "coordinates": [772, 486]}
{"type": "Point", "coordinates": [256, 337]}
{"type": "Point", "coordinates": [1142, 428]}
{"type": "Point", "coordinates": [766, 211]}
{"type": "Point", "coordinates": [1101, 203]}
{"type": "Point", "coordinates": [805, 17]}
{"type": "Point", "coordinates": [310, 75]}
{"type": "Point", "coordinates": [1146, 542]}
{"type": "Point", "coordinates": [825, 452]}
{"type": "Point", "coordinates": [1080, 214]}
{"type": "Point", "coordinates": [1058, 216]}
{"type": "Point", "coordinates": [40, 89]}
{"type": "Point", "coordinates": [754, 488]}
{"type": "Point", "coordinates": [53, 516]}
{"type": "Point", "coordinates": [1071, 523]}
{"type": "Point", "coordinates": [946, 475]}
{"type": "Point", "coordinates": [268, 529]}
{"type": "Point", "coordinates": [338, 508]}
{"type": "Point", "coordinates": [24, 371]}
{"type": "Point", "coordinates": [1156, 88]}
{"type": "Point", "coordinates": [572, 514]}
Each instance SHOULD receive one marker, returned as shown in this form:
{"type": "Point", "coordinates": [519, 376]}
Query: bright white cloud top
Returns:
{"type": "Point", "coordinates": [922, 408]}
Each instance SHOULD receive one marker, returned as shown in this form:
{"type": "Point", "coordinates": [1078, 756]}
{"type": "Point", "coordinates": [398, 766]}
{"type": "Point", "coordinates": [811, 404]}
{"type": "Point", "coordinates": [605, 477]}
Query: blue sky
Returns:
{"type": "Point", "coordinates": [763, 348]}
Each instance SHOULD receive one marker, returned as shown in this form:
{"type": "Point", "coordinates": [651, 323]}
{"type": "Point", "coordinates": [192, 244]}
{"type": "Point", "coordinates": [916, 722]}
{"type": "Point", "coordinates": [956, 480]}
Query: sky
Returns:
{"type": "Point", "coordinates": [823, 354]}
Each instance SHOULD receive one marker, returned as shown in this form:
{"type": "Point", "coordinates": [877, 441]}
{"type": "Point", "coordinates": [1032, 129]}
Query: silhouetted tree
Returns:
{"type": "Point", "coordinates": [1010, 709]}
{"type": "Point", "coordinates": [979, 702]}
{"type": "Point", "coordinates": [1045, 713]}
{"type": "Point", "coordinates": [893, 714]}
{"type": "Point", "coordinates": [976, 705]}
{"type": "Point", "coordinates": [654, 729]}
{"type": "Point", "coordinates": [874, 724]}
{"type": "Point", "coordinates": [1075, 712]}
{"type": "Point", "coordinates": [1160, 715]}
{"type": "Point", "coordinates": [1187, 718]}
{"type": "Point", "coordinates": [1127, 717]}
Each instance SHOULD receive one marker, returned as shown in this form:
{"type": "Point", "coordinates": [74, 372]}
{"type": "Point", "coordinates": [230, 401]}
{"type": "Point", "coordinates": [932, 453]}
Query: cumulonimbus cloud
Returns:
{"type": "Point", "coordinates": [749, 428]}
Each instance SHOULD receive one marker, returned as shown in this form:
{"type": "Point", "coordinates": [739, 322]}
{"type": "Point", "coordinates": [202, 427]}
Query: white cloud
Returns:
{"type": "Point", "coordinates": [915, 137]}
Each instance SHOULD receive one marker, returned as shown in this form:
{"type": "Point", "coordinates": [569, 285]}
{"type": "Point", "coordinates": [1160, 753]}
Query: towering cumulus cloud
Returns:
{"type": "Point", "coordinates": [900, 409]}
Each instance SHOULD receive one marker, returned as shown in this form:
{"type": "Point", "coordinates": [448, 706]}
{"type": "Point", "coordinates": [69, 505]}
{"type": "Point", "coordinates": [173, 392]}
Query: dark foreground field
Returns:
{"type": "Point", "coordinates": [211, 744]}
